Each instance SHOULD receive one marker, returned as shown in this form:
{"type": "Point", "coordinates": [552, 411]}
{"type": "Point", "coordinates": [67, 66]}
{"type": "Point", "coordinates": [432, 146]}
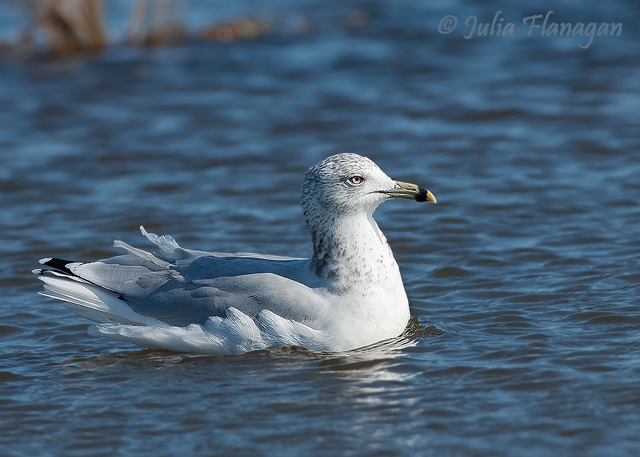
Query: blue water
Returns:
{"type": "Point", "coordinates": [524, 279]}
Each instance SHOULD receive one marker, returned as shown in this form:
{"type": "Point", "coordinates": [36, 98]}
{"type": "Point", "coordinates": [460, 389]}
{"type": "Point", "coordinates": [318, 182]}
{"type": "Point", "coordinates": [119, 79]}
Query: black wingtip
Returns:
{"type": "Point", "coordinates": [58, 264]}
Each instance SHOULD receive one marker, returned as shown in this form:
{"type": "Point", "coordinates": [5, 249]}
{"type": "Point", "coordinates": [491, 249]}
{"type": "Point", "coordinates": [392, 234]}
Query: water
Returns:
{"type": "Point", "coordinates": [524, 279]}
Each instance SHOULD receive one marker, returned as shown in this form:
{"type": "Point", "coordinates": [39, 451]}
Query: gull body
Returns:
{"type": "Point", "coordinates": [347, 295]}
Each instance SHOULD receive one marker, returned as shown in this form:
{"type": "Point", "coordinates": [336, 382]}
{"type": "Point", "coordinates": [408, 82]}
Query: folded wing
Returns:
{"type": "Point", "coordinates": [179, 287]}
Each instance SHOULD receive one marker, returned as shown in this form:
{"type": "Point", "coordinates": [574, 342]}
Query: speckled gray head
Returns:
{"type": "Point", "coordinates": [339, 196]}
{"type": "Point", "coordinates": [348, 182]}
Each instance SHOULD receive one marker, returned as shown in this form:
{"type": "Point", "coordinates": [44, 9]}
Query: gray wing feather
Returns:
{"type": "Point", "coordinates": [182, 287]}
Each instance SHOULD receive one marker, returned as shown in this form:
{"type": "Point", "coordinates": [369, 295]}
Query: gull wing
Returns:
{"type": "Point", "coordinates": [181, 287]}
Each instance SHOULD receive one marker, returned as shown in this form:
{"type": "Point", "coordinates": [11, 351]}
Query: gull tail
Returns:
{"type": "Point", "coordinates": [89, 300]}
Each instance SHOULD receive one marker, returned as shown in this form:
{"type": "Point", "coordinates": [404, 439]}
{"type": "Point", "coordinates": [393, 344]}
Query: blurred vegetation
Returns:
{"type": "Point", "coordinates": [156, 22]}
{"type": "Point", "coordinates": [70, 25]}
{"type": "Point", "coordinates": [78, 26]}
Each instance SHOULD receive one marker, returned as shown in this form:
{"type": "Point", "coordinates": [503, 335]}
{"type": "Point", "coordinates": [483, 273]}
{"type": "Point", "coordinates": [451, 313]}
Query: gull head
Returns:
{"type": "Point", "coordinates": [345, 184]}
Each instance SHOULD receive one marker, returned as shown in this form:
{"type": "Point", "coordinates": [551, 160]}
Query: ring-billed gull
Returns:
{"type": "Point", "coordinates": [349, 294]}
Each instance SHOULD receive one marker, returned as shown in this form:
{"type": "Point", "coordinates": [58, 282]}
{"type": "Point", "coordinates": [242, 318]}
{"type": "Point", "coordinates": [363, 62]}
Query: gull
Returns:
{"type": "Point", "coordinates": [347, 295]}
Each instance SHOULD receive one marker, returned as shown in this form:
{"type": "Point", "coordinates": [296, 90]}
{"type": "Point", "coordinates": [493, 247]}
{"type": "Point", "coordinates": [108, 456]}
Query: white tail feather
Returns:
{"type": "Point", "coordinates": [92, 302]}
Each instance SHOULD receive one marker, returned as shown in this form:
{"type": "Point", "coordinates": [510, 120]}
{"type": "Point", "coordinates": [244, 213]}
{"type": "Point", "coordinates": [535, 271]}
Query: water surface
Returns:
{"type": "Point", "coordinates": [524, 279]}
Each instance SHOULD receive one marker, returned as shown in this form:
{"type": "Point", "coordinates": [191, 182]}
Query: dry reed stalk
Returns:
{"type": "Point", "coordinates": [71, 25]}
{"type": "Point", "coordinates": [156, 22]}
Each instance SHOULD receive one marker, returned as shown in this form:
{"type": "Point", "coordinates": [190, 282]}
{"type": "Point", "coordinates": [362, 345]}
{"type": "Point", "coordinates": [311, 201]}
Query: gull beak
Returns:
{"type": "Point", "coordinates": [410, 192]}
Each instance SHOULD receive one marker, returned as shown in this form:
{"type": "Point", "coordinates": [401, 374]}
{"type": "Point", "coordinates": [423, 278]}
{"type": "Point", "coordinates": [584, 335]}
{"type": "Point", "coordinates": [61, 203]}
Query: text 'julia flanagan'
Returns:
{"type": "Point", "coordinates": [536, 25]}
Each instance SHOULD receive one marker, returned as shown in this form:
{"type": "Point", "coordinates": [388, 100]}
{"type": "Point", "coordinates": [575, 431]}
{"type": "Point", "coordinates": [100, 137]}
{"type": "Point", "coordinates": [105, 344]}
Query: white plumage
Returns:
{"type": "Point", "coordinates": [347, 295]}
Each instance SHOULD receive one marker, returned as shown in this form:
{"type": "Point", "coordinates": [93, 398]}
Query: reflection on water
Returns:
{"type": "Point", "coordinates": [523, 280]}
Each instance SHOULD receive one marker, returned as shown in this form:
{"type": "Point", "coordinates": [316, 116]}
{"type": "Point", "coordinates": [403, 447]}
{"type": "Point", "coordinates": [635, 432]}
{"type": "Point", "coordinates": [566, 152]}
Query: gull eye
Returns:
{"type": "Point", "coordinates": [356, 179]}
